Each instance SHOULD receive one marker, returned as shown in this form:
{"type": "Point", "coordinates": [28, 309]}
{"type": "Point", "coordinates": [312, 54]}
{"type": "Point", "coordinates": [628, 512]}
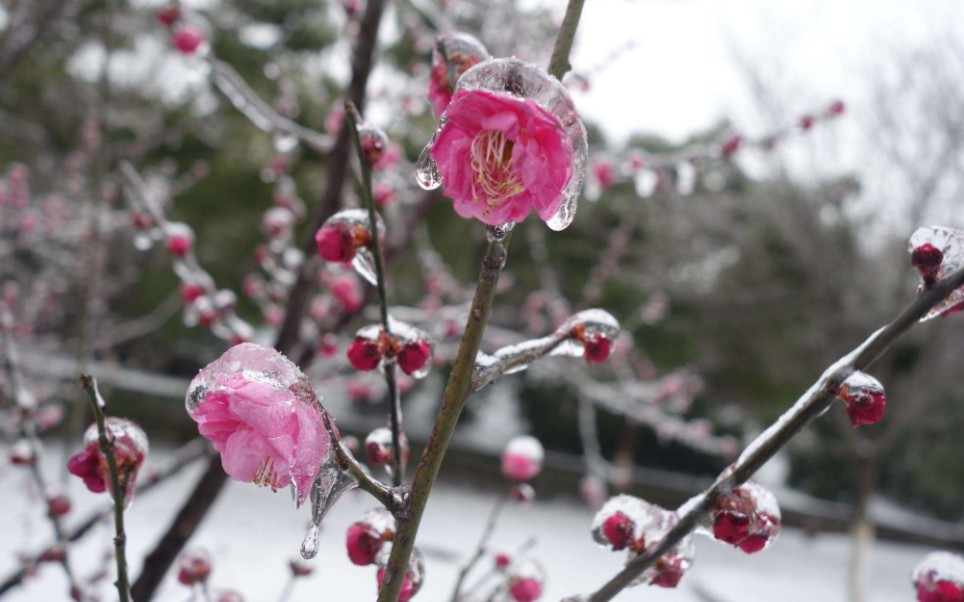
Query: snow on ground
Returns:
{"type": "Point", "coordinates": [252, 533]}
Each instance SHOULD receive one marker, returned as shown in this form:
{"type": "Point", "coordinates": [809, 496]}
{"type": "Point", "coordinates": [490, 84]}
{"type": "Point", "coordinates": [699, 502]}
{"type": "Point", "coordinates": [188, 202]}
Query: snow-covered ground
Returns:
{"type": "Point", "coordinates": [252, 533]}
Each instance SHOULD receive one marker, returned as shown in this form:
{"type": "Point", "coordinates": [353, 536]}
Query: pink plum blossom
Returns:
{"type": "Point", "coordinates": [501, 157]}
{"type": "Point", "coordinates": [268, 429]}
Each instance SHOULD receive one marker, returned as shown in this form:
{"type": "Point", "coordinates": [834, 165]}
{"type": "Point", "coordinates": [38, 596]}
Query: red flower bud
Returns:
{"type": "Point", "coordinates": [927, 260]}
{"type": "Point", "coordinates": [619, 530]}
{"type": "Point", "coordinates": [413, 356]}
{"type": "Point", "coordinates": [335, 244]}
{"type": "Point", "coordinates": [364, 354]}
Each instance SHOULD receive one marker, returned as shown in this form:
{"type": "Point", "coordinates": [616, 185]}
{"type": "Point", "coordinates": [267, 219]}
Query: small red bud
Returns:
{"type": "Point", "coordinates": [364, 354]}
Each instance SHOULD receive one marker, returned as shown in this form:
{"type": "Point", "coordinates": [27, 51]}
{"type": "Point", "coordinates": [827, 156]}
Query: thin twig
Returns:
{"type": "Point", "coordinates": [480, 547]}
{"type": "Point", "coordinates": [388, 363]}
{"type": "Point", "coordinates": [28, 431]}
{"type": "Point", "coordinates": [813, 403]}
{"type": "Point", "coordinates": [118, 484]}
{"type": "Point", "coordinates": [182, 457]}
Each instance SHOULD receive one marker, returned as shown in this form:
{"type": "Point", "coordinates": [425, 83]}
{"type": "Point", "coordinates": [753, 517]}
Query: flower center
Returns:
{"type": "Point", "coordinates": [267, 475]}
{"type": "Point", "coordinates": [491, 160]}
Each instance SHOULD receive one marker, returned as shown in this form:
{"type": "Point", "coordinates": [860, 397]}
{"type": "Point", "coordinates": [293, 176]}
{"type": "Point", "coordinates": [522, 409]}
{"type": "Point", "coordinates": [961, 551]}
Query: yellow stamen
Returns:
{"type": "Point", "coordinates": [491, 161]}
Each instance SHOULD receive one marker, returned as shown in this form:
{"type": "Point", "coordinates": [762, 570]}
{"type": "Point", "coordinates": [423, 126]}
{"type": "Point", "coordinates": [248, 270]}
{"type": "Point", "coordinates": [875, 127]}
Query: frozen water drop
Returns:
{"type": "Point", "coordinates": [426, 171]}
{"type": "Point", "coordinates": [364, 264]}
{"type": "Point", "coordinates": [309, 546]}
{"type": "Point", "coordinates": [947, 256]}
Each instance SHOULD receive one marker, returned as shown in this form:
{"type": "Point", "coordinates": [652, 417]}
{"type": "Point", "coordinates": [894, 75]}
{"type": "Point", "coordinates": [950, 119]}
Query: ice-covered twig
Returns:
{"type": "Point", "coordinates": [813, 403]}
{"type": "Point", "coordinates": [106, 444]}
{"type": "Point", "coordinates": [28, 432]}
{"type": "Point", "coordinates": [260, 113]}
{"type": "Point", "coordinates": [391, 383]}
{"type": "Point", "coordinates": [348, 463]}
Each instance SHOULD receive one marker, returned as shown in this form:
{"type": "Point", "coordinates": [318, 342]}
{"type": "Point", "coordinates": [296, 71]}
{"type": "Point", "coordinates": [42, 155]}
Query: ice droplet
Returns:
{"type": "Point", "coordinates": [331, 483]}
{"type": "Point", "coordinates": [130, 449]}
{"type": "Point", "coordinates": [309, 546]}
{"type": "Point", "coordinates": [426, 171]}
{"type": "Point", "coordinates": [949, 245]}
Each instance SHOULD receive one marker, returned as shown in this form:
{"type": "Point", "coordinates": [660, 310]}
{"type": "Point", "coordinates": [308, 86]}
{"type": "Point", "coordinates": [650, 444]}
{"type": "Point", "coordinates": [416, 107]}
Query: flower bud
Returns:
{"type": "Point", "coordinates": [364, 354]}
{"type": "Point", "coordinates": [187, 39]}
{"type": "Point", "coordinates": [522, 458]}
{"type": "Point", "coordinates": [194, 567]}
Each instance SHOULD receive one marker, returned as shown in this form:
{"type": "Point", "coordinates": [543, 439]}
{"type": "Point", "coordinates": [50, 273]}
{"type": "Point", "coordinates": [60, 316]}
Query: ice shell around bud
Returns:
{"type": "Point", "coordinates": [865, 398]}
{"type": "Point", "coordinates": [636, 511]}
{"type": "Point", "coordinates": [130, 449]}
{"type": "Point", "coordinates": [748, 517]}
{"type": "Point", "coordinates": [522, 458]}
{"type": "Point", "coordinates": [939, 577]}
{"type": "Point", "coordinates": [521, 80]}
{"type": "Point", "coordinates": [950, 243]}
{"type": "Point", "coordinates": [453, 55]}
{"type": "Point", "coordinates": [355, 229]}
{"type": "Point", "coordinates": [586, 328]}
{"type": "Point", "coordinates": [414, 576]}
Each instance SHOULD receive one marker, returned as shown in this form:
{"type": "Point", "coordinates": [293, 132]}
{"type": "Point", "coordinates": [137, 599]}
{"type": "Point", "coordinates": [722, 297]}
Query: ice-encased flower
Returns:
{"type": "Point", "coordinates": [261, 414]}
{"type": "Point", "coordinates": [130, 449]}
{"type": "Point", "coordinates": [452, 56]}
{"type": "Point", "coordinates": [509, 143]}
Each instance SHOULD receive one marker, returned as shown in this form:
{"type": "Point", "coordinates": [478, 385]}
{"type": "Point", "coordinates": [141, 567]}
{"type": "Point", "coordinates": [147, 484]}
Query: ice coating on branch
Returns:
{"type": "Point", "coordinates": [510, 142]}
{"type": "Point", "coordinates": [453, 55]}
{"type": "Point", "coordinates": [130, 449]}
{"type": "Point", "coordinates": [262, 415]}
{"type": "Point", "coordinates": [865, 398]}
{"type": "Point", "coordinates": [522, 458]}
{"type": "Point", "coordinates": [410, 347]}
{"type": "Point", "coordinates": [627, 522]}
{"type": "Point", "coordinates": [347, 236]}
{"type": "Point", "coordinates": [937, 252]}
{"type": "Point", "coordinates": [748, 517]}
{"type": "Point", "coordinates": [939, 577]}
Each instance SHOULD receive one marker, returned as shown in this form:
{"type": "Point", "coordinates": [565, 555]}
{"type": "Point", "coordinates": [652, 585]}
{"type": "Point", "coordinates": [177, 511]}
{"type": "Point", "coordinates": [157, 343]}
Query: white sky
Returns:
{"type": "Point", "coordinates": [682, 73]}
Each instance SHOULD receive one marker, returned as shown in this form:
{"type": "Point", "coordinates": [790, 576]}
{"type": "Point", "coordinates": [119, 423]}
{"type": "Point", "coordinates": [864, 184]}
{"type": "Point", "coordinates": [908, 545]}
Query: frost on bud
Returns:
{"type": "Point", "coordinates": [194, 567]}
{"type": "Point", "coordinates": [939, 577]}
{"type": "Point", "coordinates": [452, 56]}
{"type": "Point", "coordinates": [414, 576]}
{"type": "Point", "coordinates": [130, 448]}
{"type": "Point", "coordinates": [366, 536]}
{"type": "Point", "coordinates": [522, 458]}
{"type": "Point", "coordinates": [187, 39]}
{"type": "Point", "coordinates": [373, 142]}
{"type": "Point", "coordinates": [627, 522]}
{"type": "Point", "coordinates": [748, 517]}
{"type": "Point", "coordinates": [379, 450]}
{"type": "Point", "coordinates": [179, 239]}
{"type": "Point", "coordinates": [21, 453]}
{"type": "Point", "coordinates": [347, 236]}
{"type": "Point", "coordinates": [937, 252]}
{"type": "Point", "coordinates": [525, 580]}
{"type": "Point", "coordinates": [591, 335]}
{"type": "Point", "coordinates": [865, 398]}
{"type": "Point", "coordinates": [410, 346]}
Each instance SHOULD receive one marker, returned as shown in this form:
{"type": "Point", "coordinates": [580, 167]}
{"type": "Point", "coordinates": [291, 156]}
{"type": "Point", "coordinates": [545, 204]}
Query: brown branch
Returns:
{"type": "Point", "coordinates": [813, 403]}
